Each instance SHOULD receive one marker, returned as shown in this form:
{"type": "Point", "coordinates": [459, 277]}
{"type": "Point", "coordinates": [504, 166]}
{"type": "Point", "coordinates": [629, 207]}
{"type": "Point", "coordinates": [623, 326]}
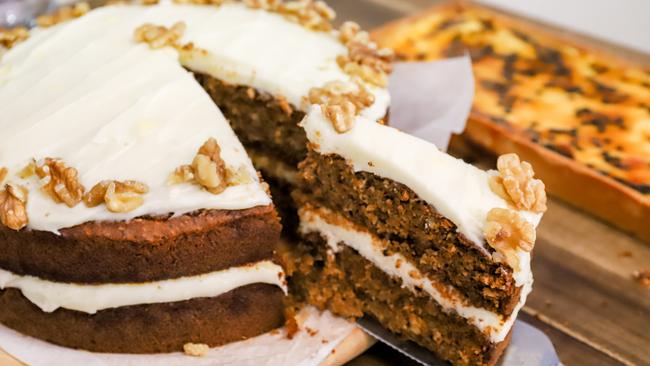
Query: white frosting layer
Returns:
{"type": "Point", "coordinates": [86, 92]}
{"type": "Point", "coordinates": [50, 296]}
{"type": "Point", "coordinates": [459, 191]}
{"type": "Point", "coordinates": [397, 266]}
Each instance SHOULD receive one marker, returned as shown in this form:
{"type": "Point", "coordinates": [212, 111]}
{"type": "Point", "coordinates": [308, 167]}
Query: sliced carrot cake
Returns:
{"type": "Point", "coordinates": [435, 249]}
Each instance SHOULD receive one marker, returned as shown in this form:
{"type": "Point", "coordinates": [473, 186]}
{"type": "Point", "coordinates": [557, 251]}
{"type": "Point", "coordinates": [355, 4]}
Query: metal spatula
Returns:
{"type": "Point", "coordinates": [528, 347]}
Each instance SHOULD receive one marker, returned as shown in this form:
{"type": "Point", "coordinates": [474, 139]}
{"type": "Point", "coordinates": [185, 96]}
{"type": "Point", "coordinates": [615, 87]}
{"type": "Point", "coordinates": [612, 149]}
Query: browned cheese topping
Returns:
{"type": "Point", "coordinates": [515, 184]}
{"type": "Point", "coordinates": [63, 14]}
{"type": "Point", "coordinates": [583, 105]}
{"type": "Point", "coordinates": [119, 197]}
{"type": "Point", "coordinates": [13, 202]}
{"type": "Point", "coordinates": [507, 232]}
{"type": "Point", "coordinates": [59, 181]}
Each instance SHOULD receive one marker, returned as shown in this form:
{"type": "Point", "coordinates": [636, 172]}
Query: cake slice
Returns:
{"type": "Point", "coordinates": [435, 249]}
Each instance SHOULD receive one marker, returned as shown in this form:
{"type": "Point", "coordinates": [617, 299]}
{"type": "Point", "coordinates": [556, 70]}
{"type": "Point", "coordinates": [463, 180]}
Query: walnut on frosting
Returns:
{"type": "Point", "coordinates": [119, 196]}
{"type": "Point", "coordinates": [207, 169]}
{"type": "Point", "coordinates": [63, 14]}
{"type": "Point", "coordinates": [351, 31]}
{"type": "Point", "coordinates": [13, 202]}
{"type": "Point", "coordinates": [263, 4]}
{"type": "Point", "coordinates": [60, 181]}
{"type": "Point", "coordinates": [10, 37]}
{"type": "Point", "coordinates": [201, 2]}
{"type": "Point", "coordinates": [341, 102]}
{"type": "Point", "coordinates": [315, 15]}
{"type": "Point", "coordinates": [364, 59]}
{"type": "Point", "coordinates": [3, 173]}
{"type": "Point", "coordinates": [341, 115]}
{"type": "Point", "coordinates": [196, 349]}
{"type": "Point", "coordinates": [508, 233]}
{"type": "Point", "coordinates": [157, 36]}
{"type": "Point", "coordinates": [515, 184]}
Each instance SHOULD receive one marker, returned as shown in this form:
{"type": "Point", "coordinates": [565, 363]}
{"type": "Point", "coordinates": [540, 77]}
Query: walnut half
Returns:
{"type": "Point", "coordinates": [508, 233]}
{"type": "Point", "coordinates": [196, 349]}
{"type": "Point", "coordinates": [207, 169]}
{"type": "Point", "coordinates": [341, 102]}
{"type": "Point", "coordinates": [13, 206]}
{"type": "Point", "coordinates": [63, 14]}
{"type": "Point", "coordinates": [160, 36]}
{"type": "Point", "coordinates": [516, 184]}
{"type": "Point", "coordinates": [119, 197]}
{"type": "Point", "coordinates": [315, 15]}
{"type": "Point", "coordinates": [60, 182]}
{"type": "Point", "coordinates": [10, 37]}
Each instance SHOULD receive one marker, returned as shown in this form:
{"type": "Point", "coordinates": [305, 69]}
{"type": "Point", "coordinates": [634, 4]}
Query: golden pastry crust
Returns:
{"type": "Point", "coordinates": [580, 116]}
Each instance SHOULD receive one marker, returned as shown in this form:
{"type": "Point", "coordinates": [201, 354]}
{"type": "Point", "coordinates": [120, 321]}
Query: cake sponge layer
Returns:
{"type": "Point", "coordinates": [349, 285]}
{"type": "Point", "coordinates": [144, 249]}
{"type": "Point", "coordinates": [410, 226]}
{"type": "Point", "coordinates": [156, 328]}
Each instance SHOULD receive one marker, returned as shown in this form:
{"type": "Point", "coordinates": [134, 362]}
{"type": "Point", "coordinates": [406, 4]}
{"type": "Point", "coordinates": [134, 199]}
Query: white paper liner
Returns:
{"type": "Point", "coordinates": [306, 348]}
{"type": "Point", "coordinates": [432, 100]}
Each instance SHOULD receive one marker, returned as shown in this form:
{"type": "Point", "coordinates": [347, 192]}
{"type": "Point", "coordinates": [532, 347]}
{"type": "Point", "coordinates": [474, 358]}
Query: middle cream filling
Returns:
{"type": "Point", "coordinates": [337, 230]}
{"type": "Point", "coordinates": [49, 295]}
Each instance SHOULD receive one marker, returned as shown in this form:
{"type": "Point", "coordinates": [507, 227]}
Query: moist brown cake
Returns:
{"type": "Point", "coordinates": [264, 123]}
{"type": "Point", "coordinates": [351, 286]}
{"type": "Point", "coordinates": [144, 249]}
{"type": "Point", "coordinates": [438, 250]}
{"type": "Point", "coordinates": [151, 328]}
{"type": "Point", "coordinates": [372, 246]}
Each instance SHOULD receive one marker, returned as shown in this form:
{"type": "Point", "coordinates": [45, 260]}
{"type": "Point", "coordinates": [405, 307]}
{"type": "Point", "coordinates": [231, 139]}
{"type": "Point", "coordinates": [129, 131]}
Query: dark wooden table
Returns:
{"type": "Point", "coordinates": [584, 297]}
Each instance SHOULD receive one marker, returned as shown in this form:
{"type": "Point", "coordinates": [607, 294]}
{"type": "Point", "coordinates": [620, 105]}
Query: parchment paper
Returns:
{"type": "Point", "coordinates": [320, 333]}
{"type": "Point", "coordinates": [432, 100]}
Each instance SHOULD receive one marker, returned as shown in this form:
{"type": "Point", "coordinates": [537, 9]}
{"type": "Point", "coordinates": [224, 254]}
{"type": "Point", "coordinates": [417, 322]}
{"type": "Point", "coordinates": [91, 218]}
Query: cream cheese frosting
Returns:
{"type": "Point", "coordinates": [86, 92]}
{"type": "Point", "coordinates": [49, 296]}
{"type": "Point", "coordinates": [398, 266]}
{"type": "Point", "coordinates": [459, 191]}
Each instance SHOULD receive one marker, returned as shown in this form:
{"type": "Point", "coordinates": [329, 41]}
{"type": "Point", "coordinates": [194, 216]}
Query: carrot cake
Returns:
{"type": "Point", "coordinates": [433, 248]}
{"type": "Point", "coordinates": [133, 219]}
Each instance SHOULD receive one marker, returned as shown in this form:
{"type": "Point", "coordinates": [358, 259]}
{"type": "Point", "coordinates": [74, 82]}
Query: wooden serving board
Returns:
{"type": "Point", "coordinates": [350, 348]}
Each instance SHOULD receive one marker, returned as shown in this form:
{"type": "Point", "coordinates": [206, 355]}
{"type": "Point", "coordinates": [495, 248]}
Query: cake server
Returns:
{"type": "Point", "coordinates": [407, 348]}
{"type": "Point", "coordinates": [528, 347]}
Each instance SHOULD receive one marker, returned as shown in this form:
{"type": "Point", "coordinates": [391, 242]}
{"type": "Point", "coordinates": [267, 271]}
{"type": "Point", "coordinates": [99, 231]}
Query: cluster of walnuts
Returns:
{"type": "Point", "coordinates": [505, 230]}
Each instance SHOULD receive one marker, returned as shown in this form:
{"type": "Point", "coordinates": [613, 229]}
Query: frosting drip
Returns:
{"type": "Point", "coordinates": [49, 296]}
{"type": "Point", "coordinates": [397, 266]}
